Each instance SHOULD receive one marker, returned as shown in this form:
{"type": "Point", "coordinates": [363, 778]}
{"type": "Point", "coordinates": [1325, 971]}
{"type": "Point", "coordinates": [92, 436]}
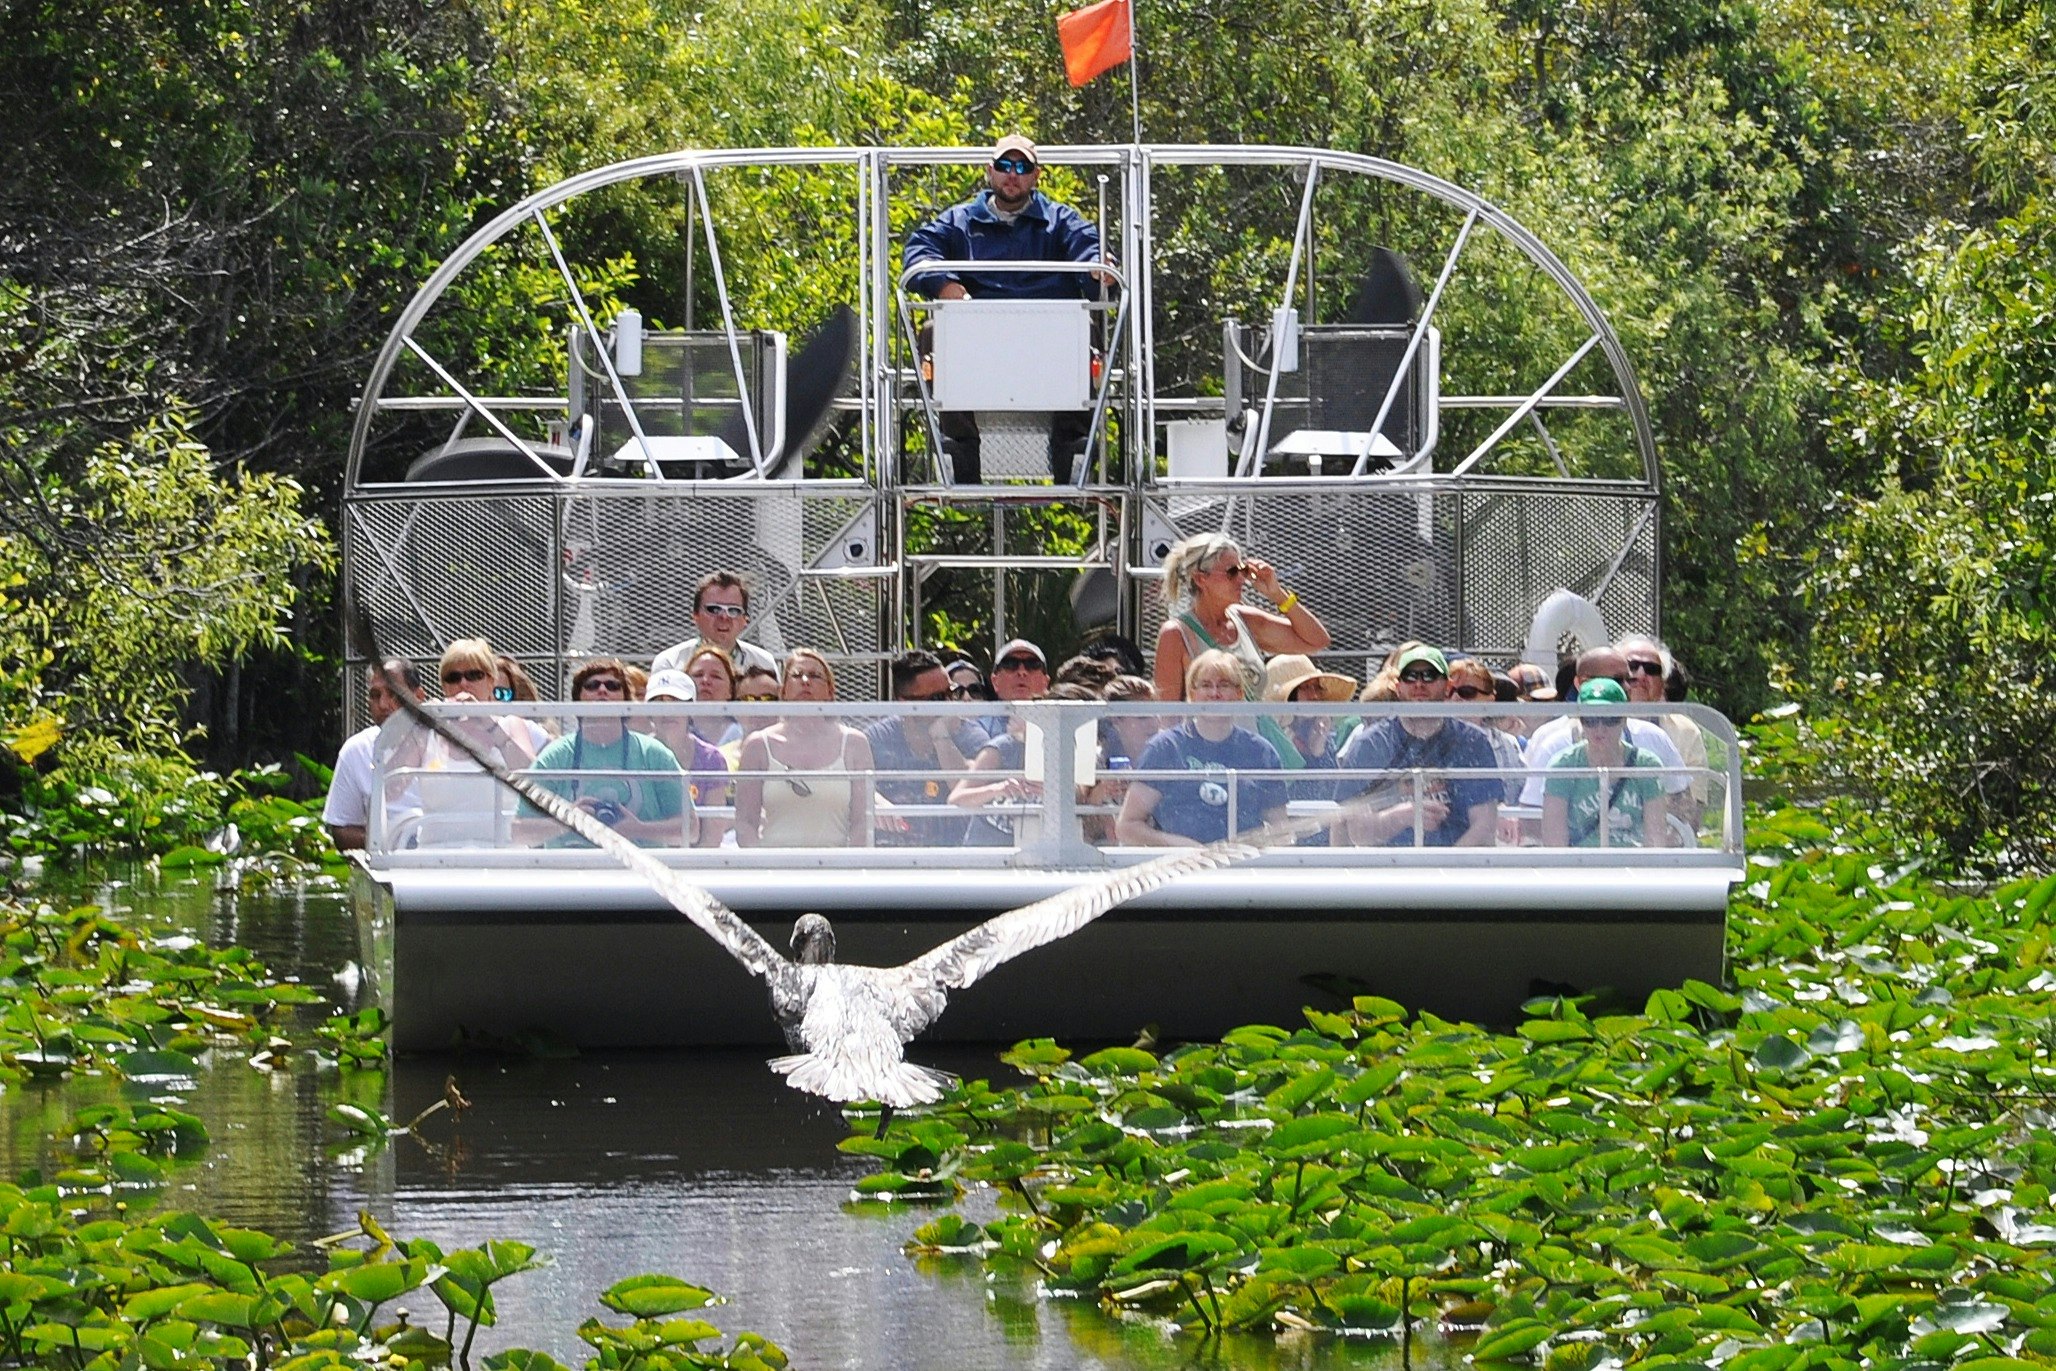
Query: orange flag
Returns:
{"type": "Point", "coordinates": [1095, 39]}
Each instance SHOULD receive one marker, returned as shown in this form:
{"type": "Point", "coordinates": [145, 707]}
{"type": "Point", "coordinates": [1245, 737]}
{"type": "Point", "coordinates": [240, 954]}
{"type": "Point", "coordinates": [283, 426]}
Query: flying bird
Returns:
{"type": "Point", "coordinates": [847, 1025]}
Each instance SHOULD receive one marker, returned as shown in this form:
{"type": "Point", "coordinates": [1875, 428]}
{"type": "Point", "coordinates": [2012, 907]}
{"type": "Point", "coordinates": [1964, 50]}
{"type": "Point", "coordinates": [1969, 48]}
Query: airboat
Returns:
{"type": "Point", "coordinates": [1383, 383]}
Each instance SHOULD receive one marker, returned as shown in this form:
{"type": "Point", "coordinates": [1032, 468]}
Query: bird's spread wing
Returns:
{"type": "Point", "coordinates": [966, 957]}
{"type": "Point", "coordinates": [698, 904]}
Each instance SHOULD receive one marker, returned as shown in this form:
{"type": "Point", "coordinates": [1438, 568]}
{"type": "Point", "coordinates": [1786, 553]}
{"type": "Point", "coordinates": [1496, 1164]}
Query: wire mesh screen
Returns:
{"type": "Point", "coordinates": [434, 569]}
{"type": "Point", "coordinates": [1377, 564]}
{"type": "Point", "coordinates": [552, 578]}
{"type": "Point", "coordinates": [1384, 563]}
{"type": "Point", "coordinates": [1521, 545]}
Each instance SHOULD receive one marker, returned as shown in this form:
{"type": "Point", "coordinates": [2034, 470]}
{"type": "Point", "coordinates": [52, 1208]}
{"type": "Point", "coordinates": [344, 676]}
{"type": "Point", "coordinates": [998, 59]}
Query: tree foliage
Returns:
{"type": "Point", "coordinates": [1935, 599]}
{"type": "Point", "coordinates": [1798, 214]}
{"type": "Point", "coordinates": [149, 561]}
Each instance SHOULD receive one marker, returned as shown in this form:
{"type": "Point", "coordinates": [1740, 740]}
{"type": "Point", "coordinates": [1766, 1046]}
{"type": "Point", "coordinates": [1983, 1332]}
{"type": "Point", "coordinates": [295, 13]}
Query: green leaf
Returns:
{"type": "Point", "coordinates": [649, 1296]}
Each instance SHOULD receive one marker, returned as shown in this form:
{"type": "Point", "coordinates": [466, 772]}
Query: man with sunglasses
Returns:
{"type": "Point", "coordinates": [1451, 809]}
{"type": "Point", "coordinates": [1559, 735]}
{"type": "Point", "coordinates": [721, 611]}
{"type": "Point", "coordinates": [932, 743]}
{"type": "Point", "coordinates": [653, 812]}
{"type": "Point", "coordinates": [1649, 669]}
{"type": "Point", "coordinates": [1008, 221]}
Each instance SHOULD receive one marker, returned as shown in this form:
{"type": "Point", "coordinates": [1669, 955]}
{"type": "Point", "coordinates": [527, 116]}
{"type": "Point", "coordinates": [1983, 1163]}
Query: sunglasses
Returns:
{"type": "Point", "coordinates": [1019, 664]}
{"type": "Point", "coordinates": [1645, 668]}
{"type": "Point", "coordinates": [1019, 166]}
{"type": "Point", "coordinates": [1238, 570]}
{"type": "Point", "coordinates": [937, 698]}
{"type": "Point", "coordinates": [1469, 692]}
{"type": "Point", "coordinates": [725, 611]}
{"type": "Point", "coordinates": [806, 675]}
{"type": "Point", "coordinates": [799, 787]}
{"type": "Point", "coordinates": [1420, 677]}
{"type": "Point", "coordinates": [606, 683]}
{"type": "Point", "coordinates": [758, 699]}
{"type": "Point", "coordinates": [457, 675]}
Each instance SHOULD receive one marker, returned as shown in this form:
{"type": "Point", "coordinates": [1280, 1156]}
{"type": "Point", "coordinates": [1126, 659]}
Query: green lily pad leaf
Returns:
{"type": "Point", "coordinates": [155, 1304]}
{"type": "Point", "coordinates": [1155, 1118]}
{"type": "Point", "coordinates": [1119, 1061]}
{"type": "Point", "coordinates": [186, 857]}
{"type": "Point", "coordinates": [377, 1282]}
{"type": "Point", "coordinates": [1648, 1250]}
{"type": "Point", "coordinates": [89, 1337]}
{"type": "Point", "coordinates": [1365, 1312]}
{"type": "Point", "coordinates": [1553, 1031]}
{"type": "Point", "coordinates": [134, 1168]}
{"type": "Point", "coordinates": [521, 1359]}
{"type": "Point", "coordinates": [1514, 1338]}
{"type": "Point", "coordinates": [652, 1295]}
{"type": "Point", "coordinates": [224, 1307]}
{"type": "Point", "coordinates": [1290, 1097]}
{"type": "Point", "coordinates": [1902, 1234]}
{"type": "Point", "coordinates": [1779, 1053]}
{"type": "Point", "coordinates": [1293, 1135]}
{"type": "Point", "coordinates": [1667, 1006]}
{"type": "Point", "coordinates": [1035, 1056]}
{"type": "Point", "coordinates": [1179, 1252]}
{"type": "Point", "coordinates": [1302, 1263]}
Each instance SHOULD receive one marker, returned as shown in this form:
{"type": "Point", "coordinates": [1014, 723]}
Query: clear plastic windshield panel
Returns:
{"type": "Point", "coordinates": [1067, 785]}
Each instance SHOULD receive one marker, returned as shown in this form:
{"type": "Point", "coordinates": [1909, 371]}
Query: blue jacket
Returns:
{"type": "Point", "coordinates": [1045, 231]}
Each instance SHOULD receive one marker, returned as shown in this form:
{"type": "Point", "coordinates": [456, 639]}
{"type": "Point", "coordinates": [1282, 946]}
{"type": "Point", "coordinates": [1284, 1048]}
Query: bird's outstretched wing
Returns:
{"type": "Point", "coordinates": [966, 957]}
{"type": "Point", "coordinates": [714, 918]}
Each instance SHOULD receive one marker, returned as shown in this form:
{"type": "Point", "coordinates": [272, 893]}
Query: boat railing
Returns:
{"type": "Point", "coordinates": [1053, 790]}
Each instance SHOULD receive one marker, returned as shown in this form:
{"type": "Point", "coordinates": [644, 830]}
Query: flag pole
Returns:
{"type": "Point", "coordinates": [1134, 76]}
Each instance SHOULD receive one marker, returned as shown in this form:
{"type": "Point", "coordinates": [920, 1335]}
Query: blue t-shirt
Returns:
{"type": "Point", "coordinates": [987, 829]}
{"type": "Point", "coordinates": [1198, 808]}
{"type": "Point", "coordinates": [1386, 745]}
{"type": "Point", "coordinates": [890, 751]}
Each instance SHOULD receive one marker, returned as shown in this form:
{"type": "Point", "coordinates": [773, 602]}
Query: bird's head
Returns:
{"type": "Point", "coordinates": [813, 940]}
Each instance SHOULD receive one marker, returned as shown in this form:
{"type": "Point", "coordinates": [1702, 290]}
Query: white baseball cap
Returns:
{"type": "Point", "coordinates": [671, 685]}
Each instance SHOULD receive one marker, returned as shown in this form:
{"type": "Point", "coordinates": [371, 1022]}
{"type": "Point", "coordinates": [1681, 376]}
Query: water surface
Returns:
{"type": "Point", "coordinates": [699, 1164]}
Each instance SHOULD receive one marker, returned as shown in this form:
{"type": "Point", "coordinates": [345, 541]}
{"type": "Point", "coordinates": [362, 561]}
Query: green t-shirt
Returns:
{"type": "Point", "coordinates": [632, 751]}
{"type": "Point", "coordinates": [1628, 797]}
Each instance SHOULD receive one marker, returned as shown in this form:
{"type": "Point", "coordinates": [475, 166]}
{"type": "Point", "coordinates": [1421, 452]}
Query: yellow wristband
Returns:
{"type": "Point", "coordinates": [1285, 605]}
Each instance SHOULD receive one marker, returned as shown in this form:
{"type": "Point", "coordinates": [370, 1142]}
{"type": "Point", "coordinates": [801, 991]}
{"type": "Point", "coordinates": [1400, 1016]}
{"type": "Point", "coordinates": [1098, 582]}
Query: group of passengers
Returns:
{"type": "Point", "coordinates": [939, 778]}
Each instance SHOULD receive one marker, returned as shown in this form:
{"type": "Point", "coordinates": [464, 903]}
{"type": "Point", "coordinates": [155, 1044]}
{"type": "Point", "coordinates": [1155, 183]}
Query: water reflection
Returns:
{"type": "Point", "coordinates": [701, 1164]}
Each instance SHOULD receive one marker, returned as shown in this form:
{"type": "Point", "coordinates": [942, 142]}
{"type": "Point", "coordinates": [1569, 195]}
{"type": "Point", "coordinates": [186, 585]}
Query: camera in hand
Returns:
{"type": "Point", "coordinates": [607, 812]}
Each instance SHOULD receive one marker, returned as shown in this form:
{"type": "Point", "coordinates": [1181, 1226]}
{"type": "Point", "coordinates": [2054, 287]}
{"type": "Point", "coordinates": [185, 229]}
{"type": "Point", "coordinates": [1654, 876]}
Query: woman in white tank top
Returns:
{"type": "Point", "coordinates": [818, 790]}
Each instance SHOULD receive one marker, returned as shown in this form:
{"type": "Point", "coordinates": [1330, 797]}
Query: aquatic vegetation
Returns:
{"type": "Point", "coordinates": [82, 992]}
{"type": "Point", "coordinates": [178, 1290]}
{"type": "Point", "coordinates": [1843, 1160]}
{"type": "Point", "coordinates": [182, 817]}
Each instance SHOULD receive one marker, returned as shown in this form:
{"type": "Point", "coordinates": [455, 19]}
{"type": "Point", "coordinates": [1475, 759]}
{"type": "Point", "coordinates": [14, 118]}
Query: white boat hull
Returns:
{"type": "Point", "coordinates": [591, 958]}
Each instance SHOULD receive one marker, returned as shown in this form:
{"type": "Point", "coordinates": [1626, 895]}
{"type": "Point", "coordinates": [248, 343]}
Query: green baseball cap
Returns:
{"type": "Point", "coordinates": [1432, 656]}
{"type": "Point", "coordinates": [1602, 690]}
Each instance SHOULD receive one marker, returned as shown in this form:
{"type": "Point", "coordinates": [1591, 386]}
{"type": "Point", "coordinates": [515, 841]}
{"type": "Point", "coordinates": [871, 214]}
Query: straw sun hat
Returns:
{"type": "Point", "coordinates": [1292, 670]}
